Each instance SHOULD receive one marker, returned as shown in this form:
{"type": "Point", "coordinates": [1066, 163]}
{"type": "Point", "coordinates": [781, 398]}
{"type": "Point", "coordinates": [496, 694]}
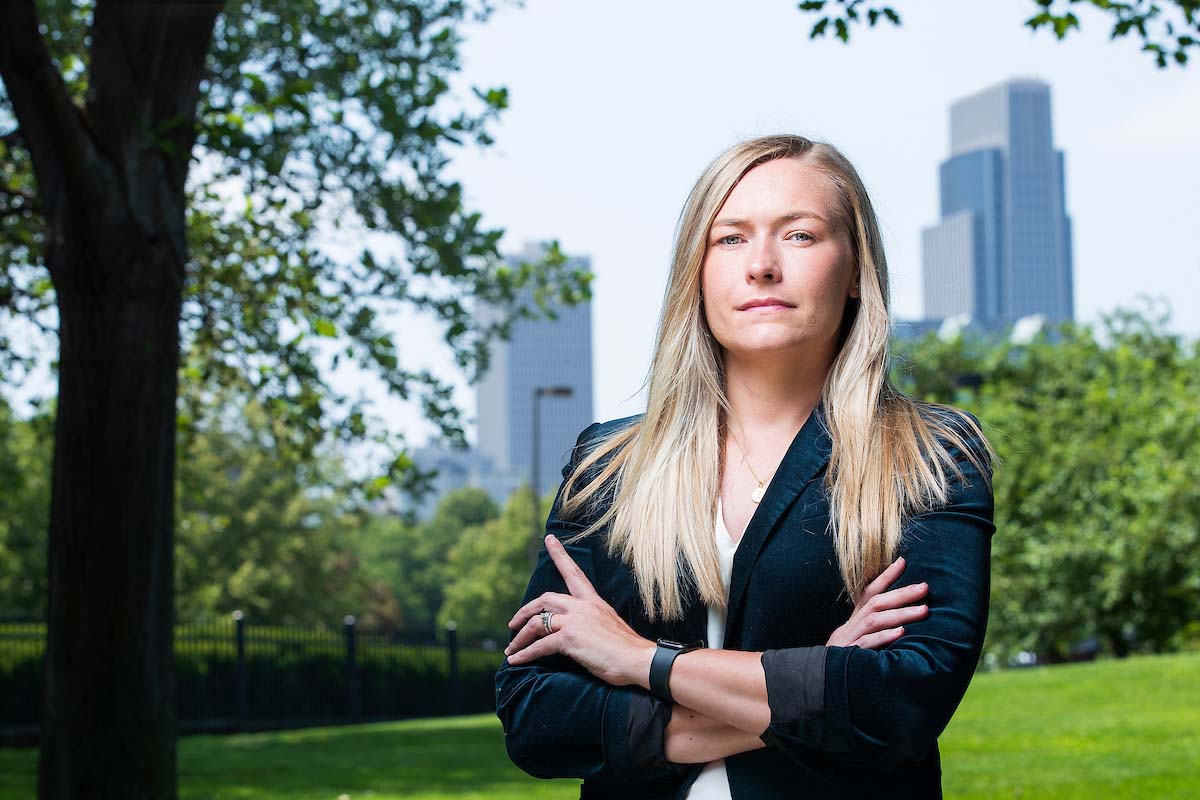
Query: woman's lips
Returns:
{"type": "Point", "coordinates": [767, 303]}
{"type": "Point", "coordinates": [767, 308]}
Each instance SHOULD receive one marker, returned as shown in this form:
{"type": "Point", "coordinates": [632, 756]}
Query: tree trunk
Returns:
{"type": "Point", "coordinates": [109, 727]}
{"type": "Point", "coordinates": [111, 184]}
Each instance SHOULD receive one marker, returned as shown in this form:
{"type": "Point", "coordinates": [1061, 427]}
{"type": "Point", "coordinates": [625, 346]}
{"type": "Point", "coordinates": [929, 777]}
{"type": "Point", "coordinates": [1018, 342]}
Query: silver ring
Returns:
{"type": "Point", "coordinates": [546, 615]}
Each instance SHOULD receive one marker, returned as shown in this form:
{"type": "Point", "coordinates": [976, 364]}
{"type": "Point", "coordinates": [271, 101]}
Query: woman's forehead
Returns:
{"type": "Point", "coordinates": [780, 187]}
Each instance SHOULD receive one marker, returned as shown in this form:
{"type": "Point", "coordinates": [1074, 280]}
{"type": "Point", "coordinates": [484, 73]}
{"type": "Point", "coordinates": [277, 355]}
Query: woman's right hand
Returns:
{"type": "Point", "coordinates": [879, 616]}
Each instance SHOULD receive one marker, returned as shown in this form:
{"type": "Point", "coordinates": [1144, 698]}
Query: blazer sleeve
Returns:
{"type": "Point", "coordinates": [889, 706]}
{"type": "Point", "coordinates": [559, 720]}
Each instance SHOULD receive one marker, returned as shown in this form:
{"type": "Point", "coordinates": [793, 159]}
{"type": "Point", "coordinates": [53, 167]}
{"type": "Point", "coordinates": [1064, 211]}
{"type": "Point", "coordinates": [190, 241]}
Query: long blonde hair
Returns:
{"type": "Point", "coordinates": [658, 489]}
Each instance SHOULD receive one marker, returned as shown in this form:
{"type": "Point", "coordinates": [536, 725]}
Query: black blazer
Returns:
{"type": "Point", "coordinates": [874, 729]}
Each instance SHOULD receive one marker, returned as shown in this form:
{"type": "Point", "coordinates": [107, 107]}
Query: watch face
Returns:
{"type": "Point", "coordinates": [682, 645]}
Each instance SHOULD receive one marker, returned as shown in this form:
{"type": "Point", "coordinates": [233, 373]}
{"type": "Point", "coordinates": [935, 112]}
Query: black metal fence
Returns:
{"type": "Point", "coordinates": [235, 675]}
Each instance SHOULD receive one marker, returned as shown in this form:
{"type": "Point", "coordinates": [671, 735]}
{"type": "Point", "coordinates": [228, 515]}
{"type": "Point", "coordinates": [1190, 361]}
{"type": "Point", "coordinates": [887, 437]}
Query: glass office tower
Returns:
{"type": "Point", "coordinates": [1002, 249]}
{"type": "Point", "coordinates": [540, 353]}
{"type": "Point", "coordinates": [545, 353]}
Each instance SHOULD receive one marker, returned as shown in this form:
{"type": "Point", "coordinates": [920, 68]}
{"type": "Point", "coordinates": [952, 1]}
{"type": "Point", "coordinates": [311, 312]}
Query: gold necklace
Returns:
{"type": "Point", "coordinates": [761, 489]}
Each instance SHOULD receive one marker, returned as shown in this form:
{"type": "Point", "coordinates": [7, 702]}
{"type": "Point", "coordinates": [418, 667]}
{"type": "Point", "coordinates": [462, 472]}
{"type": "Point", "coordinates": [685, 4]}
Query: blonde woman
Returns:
{"type": "Point", "coordinates": [725, 606]}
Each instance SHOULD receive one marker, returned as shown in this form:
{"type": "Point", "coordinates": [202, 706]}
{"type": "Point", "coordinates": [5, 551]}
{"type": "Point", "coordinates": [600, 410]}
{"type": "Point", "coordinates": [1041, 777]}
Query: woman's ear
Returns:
{"type": "Point", "coordinates": [854, 290]}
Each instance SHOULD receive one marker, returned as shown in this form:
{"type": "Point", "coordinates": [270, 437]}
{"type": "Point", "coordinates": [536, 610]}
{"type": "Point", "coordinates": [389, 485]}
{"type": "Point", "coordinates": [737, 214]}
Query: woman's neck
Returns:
{"type": "Point", "coordinates": [771, 397]}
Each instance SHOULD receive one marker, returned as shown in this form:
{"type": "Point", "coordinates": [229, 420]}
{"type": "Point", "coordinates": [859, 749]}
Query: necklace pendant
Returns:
{"type": "Point", "coordinates": [758, 493]}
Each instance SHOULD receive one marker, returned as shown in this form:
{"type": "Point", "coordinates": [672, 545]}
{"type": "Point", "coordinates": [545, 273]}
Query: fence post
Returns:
{"type": "Point", "coordinates": [452, 652]}
{"type": "Point", "coordinates": [354, 694]}
{"type": "Point", "coordinates": [241, 688]}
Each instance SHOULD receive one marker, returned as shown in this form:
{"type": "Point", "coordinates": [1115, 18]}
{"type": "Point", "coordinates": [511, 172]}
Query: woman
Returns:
{"type": "Point", "coordinates": [760, 500]}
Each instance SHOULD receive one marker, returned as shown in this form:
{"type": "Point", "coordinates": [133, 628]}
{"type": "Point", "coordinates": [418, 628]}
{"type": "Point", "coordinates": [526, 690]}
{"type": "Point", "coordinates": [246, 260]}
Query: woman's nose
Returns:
{"type": "Point", "coordinates": [764, 262]}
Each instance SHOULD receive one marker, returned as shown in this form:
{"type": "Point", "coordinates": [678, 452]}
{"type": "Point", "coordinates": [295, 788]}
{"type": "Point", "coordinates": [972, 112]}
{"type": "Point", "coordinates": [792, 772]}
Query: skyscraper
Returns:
{"type": "Point", "coordinates": [540, 353]}
{"type": "Point", "coordinates": [1002, 249]}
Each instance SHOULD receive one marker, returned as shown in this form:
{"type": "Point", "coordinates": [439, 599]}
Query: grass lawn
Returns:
{"type": "Point", "coordinates": [1111, 729]}
{"type": "Point", "coordinates": [1107, 729]}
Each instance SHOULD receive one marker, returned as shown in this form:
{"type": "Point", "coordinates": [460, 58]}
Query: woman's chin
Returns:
{"type": "Point", "coordinates": [768, 349]}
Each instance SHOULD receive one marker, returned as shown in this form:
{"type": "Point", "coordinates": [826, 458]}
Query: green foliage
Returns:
{"type": "Point", "coordinates": [1097, 512]}
{"type": "Point", "coordinates": [415, 562]}
{"type": "Point", "coordinates": [263, 531]}
{"type": "Point", "coordinates": [1167, 30]}
{"type": "Point", "coordinates": [318, 210]}
{"type": "Point", "coordinates": [25, 458]}
{"type": "Point", "coordinates": [336, 124]}
{"type": "Point", "coordinates": [27, 316]}
{"type": "Point", "coordinates": [260, 530]}
{"type": "Point", "coordinates": [489, 570]}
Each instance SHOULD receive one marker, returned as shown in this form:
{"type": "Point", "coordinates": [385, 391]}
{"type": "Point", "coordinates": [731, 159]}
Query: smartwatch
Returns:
{"type": "Point", "coordinates": [660, 667]}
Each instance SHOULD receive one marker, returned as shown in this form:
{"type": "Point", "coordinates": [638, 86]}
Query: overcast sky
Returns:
{"type": "Point", "coordinates": [616, 107]}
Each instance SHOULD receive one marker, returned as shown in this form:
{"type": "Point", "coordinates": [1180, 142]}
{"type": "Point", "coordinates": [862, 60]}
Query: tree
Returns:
{"type": "Point", "coordinates": [169, 172]}
{"type": "Point", "coordinates": [416, 562]}
{"type": "Point", "coordinates": [488, 570]}
{"type": "Point", "coordinates": [1097, 513]}
{"type": "Point", "coordinates": [1167, 30]}
{"type": "Point", "coordinates": [272, 536]}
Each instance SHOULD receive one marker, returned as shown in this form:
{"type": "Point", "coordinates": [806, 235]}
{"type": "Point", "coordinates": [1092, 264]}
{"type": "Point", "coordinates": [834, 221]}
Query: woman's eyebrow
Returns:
{"type": "Point", "coordinates": [788, 217]}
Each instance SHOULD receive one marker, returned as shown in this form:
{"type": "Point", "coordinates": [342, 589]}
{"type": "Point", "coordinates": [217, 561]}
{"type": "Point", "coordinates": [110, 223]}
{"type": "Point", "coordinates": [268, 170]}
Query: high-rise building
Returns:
{"type": "Point", "coordinates": [1002, 250]}
{"type": "Point", "coordinates": [540, 354]}
{"type": "Point", "coordinates": [550, 354]}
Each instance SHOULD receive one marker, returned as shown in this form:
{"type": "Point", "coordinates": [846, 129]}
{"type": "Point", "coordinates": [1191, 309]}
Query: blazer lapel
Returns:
{"type": "Point", "coordinates": [809, 451]}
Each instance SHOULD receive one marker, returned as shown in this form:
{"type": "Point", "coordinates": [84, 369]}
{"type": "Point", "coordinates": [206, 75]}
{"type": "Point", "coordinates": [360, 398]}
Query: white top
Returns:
{"type": "Point", "coordinates": [712, 783]}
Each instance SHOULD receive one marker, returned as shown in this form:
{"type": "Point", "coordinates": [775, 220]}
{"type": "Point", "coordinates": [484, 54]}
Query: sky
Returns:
{"type": "Point", "coordinates": [616, 107]}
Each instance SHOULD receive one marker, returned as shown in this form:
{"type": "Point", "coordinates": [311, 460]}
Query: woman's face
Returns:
{"type": "Point", "coordinates": [774, 239]}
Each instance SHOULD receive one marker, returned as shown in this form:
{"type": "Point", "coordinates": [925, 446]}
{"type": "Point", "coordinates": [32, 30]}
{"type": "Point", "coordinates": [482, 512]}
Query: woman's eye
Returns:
{"type": "Point", "coordinates": [808, 237]}
{"type": "Point", "coordinates": [728, 239]}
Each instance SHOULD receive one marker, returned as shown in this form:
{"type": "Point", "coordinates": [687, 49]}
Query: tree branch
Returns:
{"type": "Point", "coordinates": [51, 127]}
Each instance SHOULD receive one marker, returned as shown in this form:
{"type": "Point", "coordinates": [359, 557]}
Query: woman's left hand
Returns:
{"type": "Point", "coordinates": [586, 628]}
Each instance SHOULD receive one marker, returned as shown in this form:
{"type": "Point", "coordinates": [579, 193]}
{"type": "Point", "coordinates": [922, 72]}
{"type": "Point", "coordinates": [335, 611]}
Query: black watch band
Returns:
{"type": "Point", "coordinates": [660, 667]}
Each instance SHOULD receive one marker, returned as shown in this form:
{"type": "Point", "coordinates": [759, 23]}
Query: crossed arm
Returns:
{"type": "Point", "coordinates": [722, 704]}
